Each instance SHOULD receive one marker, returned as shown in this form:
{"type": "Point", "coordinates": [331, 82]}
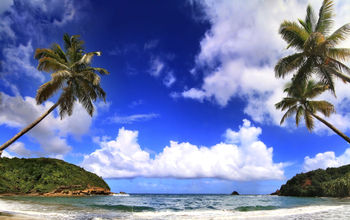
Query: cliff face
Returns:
{"type": "Point", "coordinates": [332, 182]}
{"type": "Point", "coordinates": [51, 177]}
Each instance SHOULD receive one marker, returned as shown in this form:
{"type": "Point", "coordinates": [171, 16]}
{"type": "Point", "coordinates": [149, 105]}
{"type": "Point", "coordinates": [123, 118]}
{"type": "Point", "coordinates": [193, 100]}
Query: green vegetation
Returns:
{"type": "Point", "coordinates": [317, 56]}
{"type": "Point", "coordinates": [42, 175]}
{"type": "Point", "coordinates": [332, 182]}
{"type": "Point", "coordinates": [70, 71]}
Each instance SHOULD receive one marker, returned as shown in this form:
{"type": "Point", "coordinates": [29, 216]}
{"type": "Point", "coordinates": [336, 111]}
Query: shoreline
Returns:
{"type": "Point", "coordinates": [13, 216]}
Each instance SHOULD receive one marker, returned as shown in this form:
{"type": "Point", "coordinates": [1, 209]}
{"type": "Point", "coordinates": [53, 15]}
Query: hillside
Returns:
{"type": "Point", "coordinates": [45, 175]}
{"type": "Point", "coordinates": [332, 182]}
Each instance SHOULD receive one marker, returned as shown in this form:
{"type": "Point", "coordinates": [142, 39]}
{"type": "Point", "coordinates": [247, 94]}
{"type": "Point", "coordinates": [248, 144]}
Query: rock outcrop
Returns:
{"type": "Point", "coordinates": [235, 193]}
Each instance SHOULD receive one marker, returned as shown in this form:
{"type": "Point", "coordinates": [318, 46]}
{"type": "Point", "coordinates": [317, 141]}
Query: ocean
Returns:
{"type": "Point", "coordinates": [159, 206]}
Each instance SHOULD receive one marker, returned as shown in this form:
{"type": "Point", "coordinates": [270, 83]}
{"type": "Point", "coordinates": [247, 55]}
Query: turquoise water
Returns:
{"type": "Point", "coordinates": [150, 206]}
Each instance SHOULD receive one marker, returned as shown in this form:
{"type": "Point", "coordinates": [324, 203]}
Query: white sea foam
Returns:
{"type": "Point", "coordinates": [308, 212]}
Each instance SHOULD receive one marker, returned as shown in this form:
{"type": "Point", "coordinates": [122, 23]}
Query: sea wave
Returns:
{"type": "Point", "coordinates": [308, 212]}
{"type": "Point", "coordinates": [124, 208]}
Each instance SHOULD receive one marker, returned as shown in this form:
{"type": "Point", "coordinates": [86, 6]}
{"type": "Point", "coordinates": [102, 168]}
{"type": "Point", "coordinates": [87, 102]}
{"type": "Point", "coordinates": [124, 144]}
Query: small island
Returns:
{"type": "Point", "coordinates": [332, 182]}
{"type": "Point", "coordinates": [48, 177]}
{"type": "Point", "coordinates": [234, 193]}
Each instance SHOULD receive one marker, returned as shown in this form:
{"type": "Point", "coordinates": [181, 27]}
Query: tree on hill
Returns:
{"type": "Point", "coordinates": [317, 52]}
{"type": "Point", "coordinates": [299, 102]}
{"type": "Point", "coordinates": [71, 72]}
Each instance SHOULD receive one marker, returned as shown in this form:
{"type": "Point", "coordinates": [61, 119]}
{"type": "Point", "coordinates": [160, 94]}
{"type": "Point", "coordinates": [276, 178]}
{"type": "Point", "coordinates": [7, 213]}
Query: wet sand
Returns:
{"type": "Point", "coordinates": [4, 216]}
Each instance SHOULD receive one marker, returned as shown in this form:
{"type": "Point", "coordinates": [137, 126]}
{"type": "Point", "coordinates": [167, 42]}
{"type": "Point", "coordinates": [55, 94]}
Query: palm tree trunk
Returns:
{"type": "Point", "coordinates": [26, 129]}
{"type": "Point", "coordinates": [341, 134]}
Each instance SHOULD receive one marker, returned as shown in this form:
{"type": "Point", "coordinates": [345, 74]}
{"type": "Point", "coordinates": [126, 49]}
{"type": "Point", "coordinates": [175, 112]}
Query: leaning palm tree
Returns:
{"type": "Point", "coordinates": [316, 48]}
{"type": "Point", "coordinates": [299, 102]}
{"type": "Point", "coordinates": [72, 72]}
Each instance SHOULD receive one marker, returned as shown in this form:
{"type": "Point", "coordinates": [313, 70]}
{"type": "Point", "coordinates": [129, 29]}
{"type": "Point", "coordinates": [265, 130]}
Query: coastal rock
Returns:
{"type": "Point", "coordinates": [234, 193]}
{"type": "Point", "coordinates": [71, 191]}
{"type": "Point", "coordinates": [276, 193]}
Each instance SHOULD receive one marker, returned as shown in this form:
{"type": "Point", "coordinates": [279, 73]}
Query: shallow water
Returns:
{"type": "Point", "coordinates": [151, 206]}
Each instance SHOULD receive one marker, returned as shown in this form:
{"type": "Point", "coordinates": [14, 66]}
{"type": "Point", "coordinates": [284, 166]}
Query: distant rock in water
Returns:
{"type": "Point", "coordinates": [332, 182]}
{"type": "Point", "coordinates": [48, 177]}
{"type": "Point", "coordinates": [235, 193]}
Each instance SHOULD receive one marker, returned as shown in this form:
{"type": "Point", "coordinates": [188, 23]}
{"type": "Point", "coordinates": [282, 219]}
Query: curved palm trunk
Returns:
{"type": "Point", "coordinates": [26, 129]}
{"type": "Point", "coordinates": [341, 134]}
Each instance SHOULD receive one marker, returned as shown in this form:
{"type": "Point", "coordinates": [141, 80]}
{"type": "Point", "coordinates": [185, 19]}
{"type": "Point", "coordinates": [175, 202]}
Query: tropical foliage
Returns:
{"type": "Point", "coordinates": [317, 52]}
{"type": "Point", "coordinates": [332, 182]}
{"type": "Point", "coordinates": [299, 103]}
{"type": "Point", "coordinates": [317, 55]}
{"type": "Point", "coordinates": [71, 72]}
{"type": "Point", "coordinates": [42, 175]}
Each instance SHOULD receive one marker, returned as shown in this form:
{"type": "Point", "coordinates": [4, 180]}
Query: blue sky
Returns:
{"type": "Point", "coordinates": [190, 95]}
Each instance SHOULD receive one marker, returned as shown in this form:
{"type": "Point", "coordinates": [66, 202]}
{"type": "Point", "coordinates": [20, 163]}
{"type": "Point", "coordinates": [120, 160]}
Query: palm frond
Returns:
{"type": "Point", "coordinates": [48, 89]}
{"type": "Point", "coordinates": [339, 66]}
{"type": "Point", "coordinates": [310, 20]}
{"type": "Point", "coordinates": [58, 50]}
{"type": "Point", "coordinates": [326, 75]}
{"type": "Point", "coordinates": [66, 102]}
{"type": "Point", "coordinates": [339, 35]}
{"type": "Point", "coordinates": [339, 53]}
{"type": "Point", "coordinates": [288, 114]}
{"type": "Point", "coordinates": [66, 41]}
{"type": "Point", "coordinates": [288, 64]}
{"type": "Point", "coordinates": [293, 34]}
{"type": "Point", "coordinates": [324, 107]}
{"type": "Point", "coordinates": [314, 89]}
{"type": "Point", "coordinates": [299, 113]}
{"type": "Point", "coordinates": [287, 102]}
{"type": "Point", "coordinates": [303, 74]}
{"type": "Point", "coordinates": [337, 73]}
{"type": "Point", "coordinates": [49, 64]}
{"type": "Point", "coordinates": [325, 21]}
{"type": "Point", "coordinates": [309, 122]}
{"type": "Point", "coordinates": [102, 71]}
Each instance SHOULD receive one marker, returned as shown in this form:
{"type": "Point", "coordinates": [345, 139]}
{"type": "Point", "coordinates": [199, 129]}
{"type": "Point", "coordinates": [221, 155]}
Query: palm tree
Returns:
{"type": "Point", "coordinates": [299, 102]}
{"type": "Point", "coordinates": [70, 71]}
{"type": "Point", "coordinates": [316, 48]}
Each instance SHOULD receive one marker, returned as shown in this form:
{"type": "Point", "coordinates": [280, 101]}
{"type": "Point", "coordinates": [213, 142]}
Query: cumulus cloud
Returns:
{"type": "Point", "coordinates": [325, 160]}
{"type": "Point", "coordinates": [51, 133]}
{"type": "Point", "coordinates": [132, 118]}
{"type": "Point", "coordinates": [238, 53]}
{"type": "Point", "coordinates": [6, 154]}
{"type": "Point", "coordinates": [241, 157]}
{"type": "Point", "coordinates": [19, 149]}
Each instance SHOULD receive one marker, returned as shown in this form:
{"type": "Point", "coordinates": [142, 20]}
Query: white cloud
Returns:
{"type": "Point", "coordinates": [17, 61]}
{"type": "Point", "coordinates": [325, 160]}
{"type": "Point", "coordinates": [238, 54]}
{"type": "Point", "coordinates": [19, 149]}
{"type": "Point", "coordinates": [157, 67]}
{"type": "Point", "coordinates": [243, 157]}
{"type": "Point", "coordinates": [132, 118]}
{"type": "Point", "coordinates": [6, 154]}
{"type": "Point", "coordinates": [51, 133]}
{"type": "Point", "coordinates": [169, 79]}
